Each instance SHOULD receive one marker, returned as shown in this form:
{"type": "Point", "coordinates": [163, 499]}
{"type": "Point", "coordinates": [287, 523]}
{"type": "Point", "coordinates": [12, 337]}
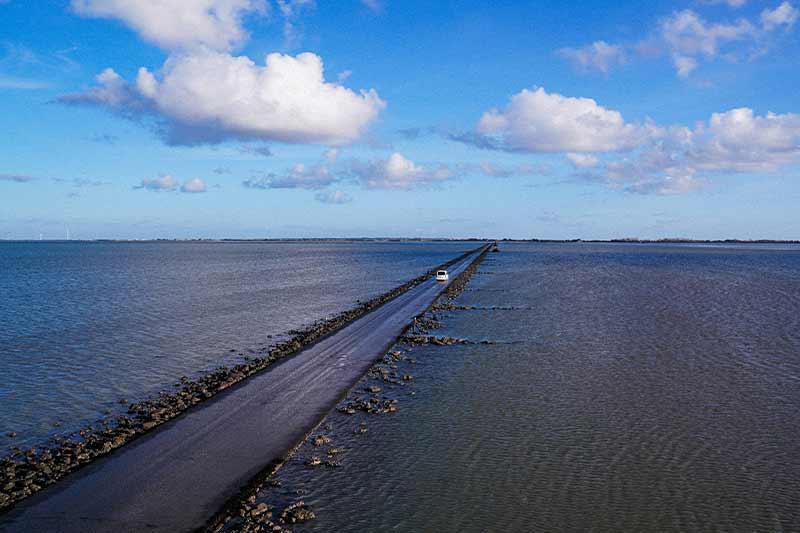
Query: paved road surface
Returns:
{"type": "Point", "coordinates": [178, 476]}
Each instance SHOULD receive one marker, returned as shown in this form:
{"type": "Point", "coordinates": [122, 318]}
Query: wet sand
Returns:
{"type": "Point", "coordinates": [177, 478]}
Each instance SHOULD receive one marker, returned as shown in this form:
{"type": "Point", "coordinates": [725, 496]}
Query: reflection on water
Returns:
{"type": "Point", "coordinates": [85, 324]}
{"type": "Point", "coordinates": [639, 388]}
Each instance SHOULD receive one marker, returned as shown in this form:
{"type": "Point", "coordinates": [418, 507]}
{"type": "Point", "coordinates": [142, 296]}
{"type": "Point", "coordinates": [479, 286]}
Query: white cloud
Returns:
{"type": "Point", "coordinates": [688, 39]}
{"type": "Point", "coordinates": [290, 9]}
{"type": "Point", "coordinates": [582, 160]}
{"type": "Point", "coordinates": [684, 159]}
{"type": "Point", "coordinates": [179, 24]}
{"type": "Point", "coordinates": [783, 15]}
{"type": "Point", "coordinates": [333, 197]}
{"type": "Point", "coordinates": [210, 97]}
{"type": "Point", "coordinates": [684, 65]}
{"type": "Point", "coordinates": [300, 176]}
{"type": "Point", "coordinates": [331, 155]}
{"type": "Point", "coordinates": [398, 173]}
{"type": "Point", "coordinates": [168, 183]}
{"type": "Point", "coordinates": [599, 55]}
{"type": "Point", "coordinates": [165, 182]}
{"type": "Point", "coordinates": [688, 36]}
{"type": "Point", "coordinates": [602, 147]}
{"type": "Point", "coordinates": [731, 3]}
{"type": "Point", "coordinates": [374, 5]}
{"type": "Point", "coordinates": [537, 121]}
{"type": "Point", "coordinates": [194, 185]}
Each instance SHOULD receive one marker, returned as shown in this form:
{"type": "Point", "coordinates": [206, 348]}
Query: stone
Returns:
{"type": "Point", "coordinates": [259, 509]}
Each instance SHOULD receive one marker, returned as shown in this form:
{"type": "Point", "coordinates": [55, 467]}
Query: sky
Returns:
{"type": "Point", "coordinates": [139, 119]}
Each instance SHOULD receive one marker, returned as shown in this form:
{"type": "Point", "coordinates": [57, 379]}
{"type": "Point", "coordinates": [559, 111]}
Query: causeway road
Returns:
{"type": "Point", "coordinates": [177, 477]}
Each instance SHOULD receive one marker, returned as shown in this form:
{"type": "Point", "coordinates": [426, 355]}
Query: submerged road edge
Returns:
{"type": "Point", "coordinates": [237, 504]}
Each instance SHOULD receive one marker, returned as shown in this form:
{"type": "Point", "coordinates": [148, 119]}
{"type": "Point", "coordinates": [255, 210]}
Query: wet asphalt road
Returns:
{"type": "Point", "coordinates": [178, 476]}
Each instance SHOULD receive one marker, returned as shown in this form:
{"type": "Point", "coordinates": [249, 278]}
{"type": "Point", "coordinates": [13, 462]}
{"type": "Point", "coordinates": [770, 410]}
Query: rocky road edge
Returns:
{"type": "Point", "coordinates": [25, 472]}
{"type": "Point", "coordinates": [243, 513]}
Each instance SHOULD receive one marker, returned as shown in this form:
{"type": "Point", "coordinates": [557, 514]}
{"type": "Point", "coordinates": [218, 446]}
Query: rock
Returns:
{"type": "Point", "coordinates": [408, 377]}
{"type": "Point", "coordinates": [374, 389]}
{"type": "Point", "coordinates": [321, 440]}
{"type": "Point", "coordinates": [296, 513]}
{"type": "Point", "coordinates": [260, 509]}
{"type": "Point", "coordinates": [313, 461]}
{"type": "Point", "coordinates": [12, 434]}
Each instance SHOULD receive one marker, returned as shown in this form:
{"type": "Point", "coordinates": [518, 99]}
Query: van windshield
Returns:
{"type": "Point", "coordinates": [442, 272]}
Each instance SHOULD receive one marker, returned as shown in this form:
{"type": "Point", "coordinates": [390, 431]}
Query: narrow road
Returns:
{"type": "Point", "coordinates": [178, 476]}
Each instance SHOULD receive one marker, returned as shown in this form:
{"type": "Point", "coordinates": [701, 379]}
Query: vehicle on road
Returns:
{"type": "Point", "coordinates": [442, 275]}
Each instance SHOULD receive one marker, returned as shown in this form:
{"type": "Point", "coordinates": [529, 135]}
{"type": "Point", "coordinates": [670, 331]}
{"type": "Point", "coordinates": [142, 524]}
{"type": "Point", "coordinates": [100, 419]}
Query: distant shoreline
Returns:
{"type": "Point", "coordinates": [419, 240]}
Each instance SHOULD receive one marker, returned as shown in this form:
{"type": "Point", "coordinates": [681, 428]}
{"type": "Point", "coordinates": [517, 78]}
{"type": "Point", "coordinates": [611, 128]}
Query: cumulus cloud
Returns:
{"type": "Point", "coordinates": [538, 121]}
{"type": "Point", "coordinates": [333, 197]}
{"type": "Point", "coordinates": [648, 158]}
{"type": "Point", "coordinates": [178, 24]}
{"type": "Point", "coordinates": [168, 183]}
{"type": "Point", "coordinates": [783, 15]}
{"type": "Point", "coordinates": [684, 159]}
{"type": "Point", "coordinates": [300, 176]}
{"type": "Point", "coordinates": [165, 182]}
{"type": "Point", "coordinates": [399, 173]}
{"type": "Point", "coordinates": [209, 97]}
{"type": "Point", "coordinates": [600, 56]}
{"type": "Point", "coordinates": [582, 160]}
{"type": "Point", "coordinates": [396, 172]}
{"type": "Point", "coordinates": [194, 185]}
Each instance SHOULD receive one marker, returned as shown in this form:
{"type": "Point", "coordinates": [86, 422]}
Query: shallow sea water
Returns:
{"type": "Point", "coordinates": [629, 388]}
{"type": "Point", "coordinates": [83, 325]}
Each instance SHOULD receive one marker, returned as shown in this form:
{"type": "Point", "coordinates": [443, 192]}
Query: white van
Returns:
{"type": "Point", "coordinates": [442, 275]}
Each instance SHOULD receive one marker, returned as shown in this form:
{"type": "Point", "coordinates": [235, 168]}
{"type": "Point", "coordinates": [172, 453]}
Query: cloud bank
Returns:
{"type": "Point", "coordinates": [203, 94]}
{"type": "Point", "coordinates": [211, 97]}
{"type": "Point", "coordinates": [647, 158]}
{"type": "Point", "coordinates": [173, 24]}
{"type": "Point", "coordinates": [688, 39]}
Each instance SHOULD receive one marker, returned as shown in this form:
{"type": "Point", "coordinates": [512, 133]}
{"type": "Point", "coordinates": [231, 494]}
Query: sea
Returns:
{"type": "Point", "coordinates": [85, 326]}
{"type": "Point", "coordinates": [603, 387]}
{"type": "Point", "coordinates": [596, 387]}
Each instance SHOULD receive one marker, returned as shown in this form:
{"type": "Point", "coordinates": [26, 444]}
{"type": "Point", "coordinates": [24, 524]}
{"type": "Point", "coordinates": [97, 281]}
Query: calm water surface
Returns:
{"type": "Point", "coordinates": [83, 325]}
{"type": "Point", "coordinates": [632, 388]}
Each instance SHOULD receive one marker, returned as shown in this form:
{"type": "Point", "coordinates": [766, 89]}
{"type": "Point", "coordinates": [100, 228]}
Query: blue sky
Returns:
{"type": "Point", "coordinates": [149, 119]}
